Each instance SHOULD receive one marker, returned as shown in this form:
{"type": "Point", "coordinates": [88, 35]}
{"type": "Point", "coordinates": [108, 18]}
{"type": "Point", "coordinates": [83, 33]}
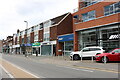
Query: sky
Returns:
{"type": "Point", "coordinates": [13, 13]}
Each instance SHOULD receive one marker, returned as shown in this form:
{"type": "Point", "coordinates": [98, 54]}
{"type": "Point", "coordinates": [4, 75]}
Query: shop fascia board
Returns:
{"type": "Point", "coordinates": [14, 46]}
{"type": "Point", "coordinates": [50, 42]}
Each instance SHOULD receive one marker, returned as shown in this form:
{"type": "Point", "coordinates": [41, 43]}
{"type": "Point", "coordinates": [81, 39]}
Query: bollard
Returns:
{"type": "Point", "coordinates": [104, 59]}
{"type": "Point", "coordinates": [58, 56]}
{"type": "Point", "coordinates": [81, 57]}
{"type": "Point", "coordinates": [92, 58]}
{"type": "Point", "coordinates": [72, 57]}
{"type": "Point", "coordinates": [62, 56]}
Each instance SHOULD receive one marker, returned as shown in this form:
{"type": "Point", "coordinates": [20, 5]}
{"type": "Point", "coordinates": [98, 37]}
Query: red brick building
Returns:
{"type": "Point", "coordinates": [7, 45]}
{"type": "Point", "coordinates": [45, 35]}
{"type": "Point", "coordinates": [1, 45]}
{"type": "Point", "coordinates": [97, 23]}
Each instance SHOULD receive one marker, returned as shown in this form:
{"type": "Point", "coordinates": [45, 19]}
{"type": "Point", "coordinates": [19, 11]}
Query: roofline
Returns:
{"type": "Point", "coordinates": [61, 20]}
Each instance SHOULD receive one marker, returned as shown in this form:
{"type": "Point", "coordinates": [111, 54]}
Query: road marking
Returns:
{"type": "Point", "coordinates": [98, 69]}
{"type": "Point", "coordinates": [10, 75]}
{"type": "Point", "coordinates": [23, 70]}
{"type": "Point", "coordinates": [69, 67]}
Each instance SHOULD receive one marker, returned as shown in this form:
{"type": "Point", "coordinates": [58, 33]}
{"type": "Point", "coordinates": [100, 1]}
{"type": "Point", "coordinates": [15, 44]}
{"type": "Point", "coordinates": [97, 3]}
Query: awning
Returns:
{"type": "Point", "coordinates": [64, 38]}
{"type": "Point", "coordinates": [114, 36]}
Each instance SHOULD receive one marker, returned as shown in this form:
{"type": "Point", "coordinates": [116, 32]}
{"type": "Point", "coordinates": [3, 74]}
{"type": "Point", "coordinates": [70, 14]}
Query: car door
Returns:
{"type": "Point", "coordinates": [94, 51]}
{"type": "Point", "coordinates": [86, 52]}
{"type": "Point", "coordinates": [115, 55]}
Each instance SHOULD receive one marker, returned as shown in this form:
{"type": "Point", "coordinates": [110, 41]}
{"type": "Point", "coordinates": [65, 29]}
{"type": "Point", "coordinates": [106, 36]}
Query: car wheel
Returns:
{"type": "Point", "coordinates": [103, 59]}
{"type": "Point", "coordinates": [75, 57]}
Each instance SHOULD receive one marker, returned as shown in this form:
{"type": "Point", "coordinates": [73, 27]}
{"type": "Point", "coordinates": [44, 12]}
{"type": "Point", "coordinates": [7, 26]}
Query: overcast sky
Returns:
{"type": "Point", "coordinates": [13, 13]}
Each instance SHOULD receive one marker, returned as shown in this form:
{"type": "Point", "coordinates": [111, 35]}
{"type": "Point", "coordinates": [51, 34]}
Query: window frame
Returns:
{"type": "Point", "coordinates": [86, 16]}
{"type": "Point", "coordinates": [114, 11]}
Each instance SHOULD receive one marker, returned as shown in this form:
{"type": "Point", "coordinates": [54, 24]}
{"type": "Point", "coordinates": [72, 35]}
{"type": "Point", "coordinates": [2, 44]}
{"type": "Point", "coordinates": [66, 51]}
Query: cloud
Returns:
{"type": "Point", "coordinates": [14, 12]}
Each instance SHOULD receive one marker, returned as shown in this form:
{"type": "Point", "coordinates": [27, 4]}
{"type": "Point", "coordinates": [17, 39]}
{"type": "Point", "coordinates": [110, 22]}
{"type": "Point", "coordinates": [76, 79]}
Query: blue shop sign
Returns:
{"type": "Point", "coordinates": [69, 37]}
{"type": "Point", "coordinates": [28, 44]}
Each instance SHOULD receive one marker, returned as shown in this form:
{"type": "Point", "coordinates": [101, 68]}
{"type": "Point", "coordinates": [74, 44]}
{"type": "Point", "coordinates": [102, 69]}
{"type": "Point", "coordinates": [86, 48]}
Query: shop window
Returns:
{"type": "Point", "coordinates": [111, 9]}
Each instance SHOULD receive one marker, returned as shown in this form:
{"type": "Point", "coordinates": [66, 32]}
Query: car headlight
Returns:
{"type": "Point", "coordinates": [71, 53]}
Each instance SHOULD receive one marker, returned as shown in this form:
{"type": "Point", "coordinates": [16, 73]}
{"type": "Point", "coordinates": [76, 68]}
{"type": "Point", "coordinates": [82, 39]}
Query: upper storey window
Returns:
{"type": "Point", "coordinates": [112, 9]}
{"type": "Point", "coordinates": [86, 3]}
{"type": "Point", "coordinates": [47, 23]}
{"type": "Point", "coordinates": [88, 16]}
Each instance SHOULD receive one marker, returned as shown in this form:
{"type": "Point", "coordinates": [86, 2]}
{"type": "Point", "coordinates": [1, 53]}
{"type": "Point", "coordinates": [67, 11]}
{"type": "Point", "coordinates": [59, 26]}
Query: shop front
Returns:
{"type": "Point", "coordinates": [105, 36]}
{"type": "Point", "coordinates": [28, 48]}
{"type": "Point", "coordinates": [36, 48]}
{"type": "Point", "coordinates": [16, 49]}
{"type": "Point", "coordinates": [22, 48]}
{"type": "Point", "coordinates": [48, 48]}
{"type": "Point", "coordinates": [67, 43]}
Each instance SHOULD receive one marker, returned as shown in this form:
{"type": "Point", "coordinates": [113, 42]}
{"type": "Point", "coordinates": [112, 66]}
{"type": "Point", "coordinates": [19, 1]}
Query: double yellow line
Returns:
{"type": "Point", "coordinates": [98, 69]}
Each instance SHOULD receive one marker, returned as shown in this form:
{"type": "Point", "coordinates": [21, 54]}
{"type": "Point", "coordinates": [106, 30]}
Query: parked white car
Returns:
{"type": "Point", "coordinates": [86, 52]}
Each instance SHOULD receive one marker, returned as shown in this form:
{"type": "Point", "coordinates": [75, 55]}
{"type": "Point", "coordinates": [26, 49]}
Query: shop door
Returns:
{"type": "Point", "coordinates": [46, 50]}
{"type": "Point", "coordinates": [68, 48]}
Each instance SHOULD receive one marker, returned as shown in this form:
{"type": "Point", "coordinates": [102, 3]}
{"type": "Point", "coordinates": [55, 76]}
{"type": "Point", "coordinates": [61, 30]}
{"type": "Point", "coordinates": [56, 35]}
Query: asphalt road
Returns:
{"type": "Point", "coordinates": [44, 70]}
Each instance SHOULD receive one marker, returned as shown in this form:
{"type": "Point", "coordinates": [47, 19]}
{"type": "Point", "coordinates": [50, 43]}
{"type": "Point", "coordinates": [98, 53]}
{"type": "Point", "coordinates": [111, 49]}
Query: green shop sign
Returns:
{"type": "Point", "coordinates": [36, 44]}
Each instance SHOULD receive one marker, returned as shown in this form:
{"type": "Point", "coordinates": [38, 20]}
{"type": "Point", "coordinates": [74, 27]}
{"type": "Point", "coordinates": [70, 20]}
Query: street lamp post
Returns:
{"type": "Point", "coordinates": [26, 24]}
{"type": "Point", "coordinates": [26, 34]}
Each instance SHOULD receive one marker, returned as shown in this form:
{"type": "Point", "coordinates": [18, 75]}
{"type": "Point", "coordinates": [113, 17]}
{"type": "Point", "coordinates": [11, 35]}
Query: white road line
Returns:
{"type": "Point", "coordinates": [75, 68]}
{"type": "Point", "coordinates": [10, 75]}
{"type": "Point", "coordinates": [24, 70]}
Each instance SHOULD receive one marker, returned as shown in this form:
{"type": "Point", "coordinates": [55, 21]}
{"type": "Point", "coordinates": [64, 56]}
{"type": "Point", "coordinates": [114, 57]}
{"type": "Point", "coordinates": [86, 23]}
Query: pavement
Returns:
{"type": "Point", "coordinates": [9, 70]}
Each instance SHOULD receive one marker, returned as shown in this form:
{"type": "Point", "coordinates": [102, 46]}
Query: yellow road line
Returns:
{"type": "Point", "coordinates": [98, 69]}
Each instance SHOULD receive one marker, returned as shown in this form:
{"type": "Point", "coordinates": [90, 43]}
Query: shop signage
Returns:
{"type": "Point", "coordinates": [36, 44]}
{"type": "Point", "coordinates": [14, 46]}
{"type": "Point", "coordinates": [28, 44]}
{"type": "Point", "coordinates": [114, 36]}
{"type": "Point", "coordinates": [64, 38]}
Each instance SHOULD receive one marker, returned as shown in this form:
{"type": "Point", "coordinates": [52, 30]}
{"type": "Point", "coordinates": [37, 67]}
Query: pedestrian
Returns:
{"type": "Point", "coordinates": [36, 53]}
{"type": "Point", "coordinates": [26, 54]}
